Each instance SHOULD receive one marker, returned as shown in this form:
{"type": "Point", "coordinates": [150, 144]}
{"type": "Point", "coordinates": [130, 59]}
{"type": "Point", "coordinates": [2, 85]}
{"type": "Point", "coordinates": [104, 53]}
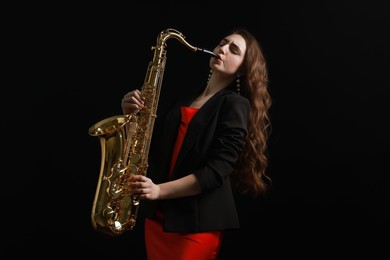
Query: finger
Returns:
{"type": "Point", "coordinates": [137, 101]}
{"type": "Point", "coordinates": [136, 93]}
{"type": "Point", "coordinates": [135, 184]}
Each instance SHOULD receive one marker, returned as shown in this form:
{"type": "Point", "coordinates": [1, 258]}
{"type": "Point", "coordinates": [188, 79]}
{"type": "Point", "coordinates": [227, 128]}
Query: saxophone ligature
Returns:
{"type": "Point", "coordinates": [125, 142]}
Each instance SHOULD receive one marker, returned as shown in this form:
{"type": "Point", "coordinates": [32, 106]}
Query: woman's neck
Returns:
{"type": "Point", "coordinates": [214, 85]}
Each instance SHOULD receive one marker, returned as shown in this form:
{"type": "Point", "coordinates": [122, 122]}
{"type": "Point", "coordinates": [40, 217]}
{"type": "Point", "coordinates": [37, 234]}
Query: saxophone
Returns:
{"type": "Point", "coordinates": [125, 142]}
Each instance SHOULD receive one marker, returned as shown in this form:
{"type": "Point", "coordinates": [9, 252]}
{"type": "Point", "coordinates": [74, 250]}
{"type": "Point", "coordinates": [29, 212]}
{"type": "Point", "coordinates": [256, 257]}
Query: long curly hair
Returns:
{"type": "Point", "coordinates": [250, 175]}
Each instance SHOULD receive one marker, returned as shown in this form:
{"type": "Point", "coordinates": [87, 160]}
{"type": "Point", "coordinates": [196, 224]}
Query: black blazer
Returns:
{"type": "Point", "coordinates": [212, 145]}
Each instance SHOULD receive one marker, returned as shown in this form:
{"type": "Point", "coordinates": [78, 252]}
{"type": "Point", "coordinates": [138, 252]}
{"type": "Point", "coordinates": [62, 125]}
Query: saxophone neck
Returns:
{"type": "Point", "coordinates": [173, 33]}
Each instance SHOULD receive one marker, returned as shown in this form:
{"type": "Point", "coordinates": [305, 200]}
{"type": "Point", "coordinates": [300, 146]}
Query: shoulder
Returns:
{"type": "Point", "coordinates": [226, 104]}
{"type": "Point", "coordinates": [233, 100]}
{"type": "Point", "coordinates": [234, 107]}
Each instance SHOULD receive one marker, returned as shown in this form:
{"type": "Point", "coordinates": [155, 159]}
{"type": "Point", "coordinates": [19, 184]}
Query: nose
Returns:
{"type": "Point", "coordinates": [221, 49]}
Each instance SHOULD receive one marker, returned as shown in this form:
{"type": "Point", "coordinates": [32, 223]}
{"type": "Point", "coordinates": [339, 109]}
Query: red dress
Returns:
{"type": "Point", "coordinates": [179, 246]}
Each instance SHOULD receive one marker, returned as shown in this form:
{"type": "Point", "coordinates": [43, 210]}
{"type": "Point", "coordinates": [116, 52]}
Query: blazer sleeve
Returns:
{"type": "Point", "coordinates": [229, 138]}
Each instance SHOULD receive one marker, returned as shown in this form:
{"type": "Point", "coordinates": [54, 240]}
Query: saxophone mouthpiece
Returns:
{"type": "Point", "coordinates": [208, 52]}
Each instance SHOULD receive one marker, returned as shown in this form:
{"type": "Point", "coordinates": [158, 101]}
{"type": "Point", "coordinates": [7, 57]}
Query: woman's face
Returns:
{"type": "Point", "coordinates": [231, 51]}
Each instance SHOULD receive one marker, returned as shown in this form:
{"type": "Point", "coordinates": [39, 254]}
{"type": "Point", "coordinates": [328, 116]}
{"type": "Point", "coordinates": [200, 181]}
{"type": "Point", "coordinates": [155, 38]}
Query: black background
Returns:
{"type": "Point", "coordinates": [67, 67]}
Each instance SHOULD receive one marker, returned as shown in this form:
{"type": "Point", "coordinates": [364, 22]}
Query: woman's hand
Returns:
{"type": "Point", "coordinates": [144, 187]}
{"type": "Point", "coordinates": [132, 102]}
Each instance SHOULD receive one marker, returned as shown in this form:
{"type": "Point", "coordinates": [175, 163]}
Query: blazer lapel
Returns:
{"type": "Point", "coordinates": [198, 123]}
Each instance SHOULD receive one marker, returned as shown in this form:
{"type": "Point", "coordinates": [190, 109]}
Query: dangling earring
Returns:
{"type": "Point", "coordinates": [209, 76]}
{"type": "Point", "coordinates": [238, 81]}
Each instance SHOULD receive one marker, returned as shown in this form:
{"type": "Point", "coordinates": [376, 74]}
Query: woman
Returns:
{"type": "Point", "coordinates": [211, 143]}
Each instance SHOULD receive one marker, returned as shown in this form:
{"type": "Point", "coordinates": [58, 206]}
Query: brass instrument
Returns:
{"type": "Point", "coordinates": [125, 142]}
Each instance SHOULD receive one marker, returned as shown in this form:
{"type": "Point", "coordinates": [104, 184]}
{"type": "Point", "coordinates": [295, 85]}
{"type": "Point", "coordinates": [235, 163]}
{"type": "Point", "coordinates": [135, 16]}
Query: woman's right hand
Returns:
{"type": "Point", "coordinates": [132, 102]}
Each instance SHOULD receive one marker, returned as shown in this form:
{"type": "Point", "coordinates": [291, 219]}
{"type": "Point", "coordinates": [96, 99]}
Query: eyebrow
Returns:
{"type": "Point", "coordinates": [232, 43]}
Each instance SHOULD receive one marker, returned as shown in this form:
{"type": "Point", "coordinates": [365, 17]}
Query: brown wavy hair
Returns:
{"type": "Point", "coordinates": [250, 175]}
